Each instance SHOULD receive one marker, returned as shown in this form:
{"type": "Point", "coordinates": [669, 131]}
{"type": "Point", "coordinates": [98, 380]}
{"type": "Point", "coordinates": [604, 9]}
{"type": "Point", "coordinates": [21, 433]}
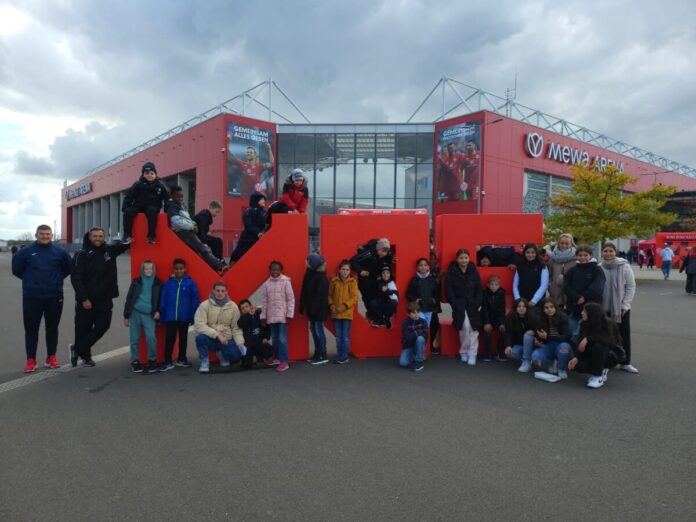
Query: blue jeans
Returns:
{"type": "Point", "coordinates": [554, 351]}
{"type": "Point", "coordinates": [279, 339]}
{"type": "Point", "coordinates": [205, 345]}
{"type": "Point", "coordinates": [428, 316]}
{"type": "Point", "coordinates": [342, 337]}
{"type": "Point", "coordinates": [319, 337]}
{"type": "Point", "coordinates": [409, 355]}
{"type": "Point", "coordinates": [523, 350]}
{"type": "Point", "coordinates": [137, 321]}
{"type": "Point", "coordinates": [575, 329]}
{"type": "Point", "coordinates": [666, 267]}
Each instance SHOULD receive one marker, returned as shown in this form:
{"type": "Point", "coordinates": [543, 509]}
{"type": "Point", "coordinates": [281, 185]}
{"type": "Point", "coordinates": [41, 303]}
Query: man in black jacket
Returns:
{"type": "Point", "coordinates": [94, 277]}
{"type": "Point", "coordinates": [204, 219]}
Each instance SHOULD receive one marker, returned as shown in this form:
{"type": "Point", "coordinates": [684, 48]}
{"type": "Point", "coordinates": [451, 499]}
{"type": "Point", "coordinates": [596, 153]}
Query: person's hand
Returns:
{"type": "Point", "coordinates": [263, 322]}
{"type": "Point", "coordinates": [501, 328]}
{"type": "Point", "coordinates": [418, 300]}
{"type": "Point", "coordinates": [223, 340]}
{"type": "Point", "coordinates": [364, 273]}
{"type": "Point", "coordinates": [87, 304]}
{"type": "Point", "coordinates": [623, 312]}
{"type": "Point", "coordinates": [532, 303]}
{"type": "Point", "coordinates": [333, 309]}
{"type": "Point", "coordinates": [294, 212]}
{"type": "Point", "coordinates": [508, 351]}
{"type": "Point", "coordinates": [126, 322]}
{"type": "Point", "coordinates": [488, 327]}
{"type": "Point", "coordinates": [260, 234]}
{"type": "Point", "coordinates": [542, 334]}
{"type": "Point", "coordinates": [582, 344]}
{"type": "Point", "coordinates": [572, 363]}
{"type": "Point", "coordinates": [538, 343]}
{"type": "Point", "coordinates": [512, 267]}
{"type": "Point", "coordinates": [581, 300]}
{"type": "Point", "coordinates": [156, 316]}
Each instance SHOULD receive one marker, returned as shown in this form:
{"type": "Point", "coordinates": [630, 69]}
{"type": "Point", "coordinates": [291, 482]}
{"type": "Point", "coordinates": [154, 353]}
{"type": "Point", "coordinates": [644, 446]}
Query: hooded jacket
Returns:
{"type": "Point", "coordinates": [179, 218]}
{"type": "Point", "coordinates": [411, 330]}
{"type": "Point", "coordinates": [583, 280]}
{"type": "Point", "coordinates": [343, 294]}
{"type": "Point", "coordinates": [427, 290]}
{"type": "Point", "coordinates": [493, 308]}
{"type": "Point", "coordinates": [463, 291]}
{"type": "Point", "coordinates": [212, 320]}
{"type": "Point", "coordinates": [278, 300]}
{"type": "Point", "coordinates": [254, 219]}
{"type": "Point", "coordinates": [94, 274]}
{"type": "Point", "coordinates": [368, 259]}
{"type": "Point", "coordinates": [179, 300]}
{"type": "Point", "coordinates": [314, 298]}
{"type": "Point", "coordinates": [134, 298]}
{"type": "Point", "coordinates": [146, 194]}
{"type": "Point", "coordinates": [295, 198]}
{"type": "Point", "coordinates": [42, 269]}
{"type": "Point", "coordinates": [204, 219]}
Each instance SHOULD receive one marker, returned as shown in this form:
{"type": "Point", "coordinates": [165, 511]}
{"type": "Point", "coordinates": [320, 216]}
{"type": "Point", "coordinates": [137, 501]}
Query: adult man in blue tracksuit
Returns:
{"type": "Point", "coordinates": [42, 267]}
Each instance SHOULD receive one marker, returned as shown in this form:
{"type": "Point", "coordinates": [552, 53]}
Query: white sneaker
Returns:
{"type": "Point", "coordinates": [629, 368]}
{"type": "Point", "coordinates": [472, 360]}
{"type": "Point", "coordinates": [205, 366]}
{"type": "Point", "coordinates": [605, 374]}
{"type": "Point", "coordinates": [525, 367]}
{"type": "Point", "coordinates": [224, 363]}
{"type": "Point", "coordinates": [562, 374]}
{"type": "Point", "coordinates": [463, 357]}
{"type": "Point", "coordinates": [553, 367]}
{"type": "Point", "coordinates": [595, 382]}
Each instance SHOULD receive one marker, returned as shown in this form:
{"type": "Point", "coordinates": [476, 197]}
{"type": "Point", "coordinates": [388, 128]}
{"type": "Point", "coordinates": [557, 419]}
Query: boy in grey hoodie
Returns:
{"type": "Point", "coordinates": [141, 311]}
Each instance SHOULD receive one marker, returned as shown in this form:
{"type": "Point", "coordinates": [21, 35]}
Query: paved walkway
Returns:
{"type": "Point", "coordinates": [656, 274]}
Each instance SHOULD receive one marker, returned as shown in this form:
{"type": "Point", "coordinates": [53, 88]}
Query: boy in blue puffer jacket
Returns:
{"type": "Point", "coordinates": [177, 306]}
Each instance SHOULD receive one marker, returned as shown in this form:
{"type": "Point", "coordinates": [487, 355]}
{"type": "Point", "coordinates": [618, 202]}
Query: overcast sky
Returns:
{"type": "Point", "coordinates": [82, 81]}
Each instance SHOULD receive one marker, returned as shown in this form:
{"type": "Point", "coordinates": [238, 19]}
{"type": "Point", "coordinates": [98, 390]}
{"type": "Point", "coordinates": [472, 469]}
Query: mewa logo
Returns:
{"type": "Point", "coordinates": [534, 144]}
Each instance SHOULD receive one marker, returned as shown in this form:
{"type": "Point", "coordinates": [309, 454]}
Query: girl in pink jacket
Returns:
{"type": "Point", "coordinates": [278, 307]}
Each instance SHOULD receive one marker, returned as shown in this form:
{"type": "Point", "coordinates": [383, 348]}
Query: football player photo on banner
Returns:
{"type": "Point", "coordinates": [250, 161]}
{"type": "Point", "coordinates": [459, 162]}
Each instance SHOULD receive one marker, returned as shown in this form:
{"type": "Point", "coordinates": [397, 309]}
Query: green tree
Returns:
{"type": "Point", "coordinates": [598, 208]}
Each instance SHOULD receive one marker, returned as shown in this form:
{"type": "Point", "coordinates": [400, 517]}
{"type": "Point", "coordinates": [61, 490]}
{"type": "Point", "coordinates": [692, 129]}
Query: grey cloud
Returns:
{"type": "Point", "coordinates": [25, 164]}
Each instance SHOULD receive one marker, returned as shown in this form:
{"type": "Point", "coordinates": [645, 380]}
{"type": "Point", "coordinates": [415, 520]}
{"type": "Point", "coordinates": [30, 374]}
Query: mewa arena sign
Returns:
{"type": "Point", "coordinates": [534, 145]}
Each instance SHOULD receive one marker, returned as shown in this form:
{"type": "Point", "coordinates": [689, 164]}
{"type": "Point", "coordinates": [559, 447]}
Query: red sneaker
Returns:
{"type": "Point", "coordinates": [30, 366]}
{"type": "Point", "coordinates": [282, 367]}
{"type": "Point", "coordinates": [271, 362]}
{"type": "Point", "coordinates": [52, 362]}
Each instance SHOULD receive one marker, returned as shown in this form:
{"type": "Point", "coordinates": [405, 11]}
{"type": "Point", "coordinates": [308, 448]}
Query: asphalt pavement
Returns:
{"type": "Point", "coordinates": [364, 441]}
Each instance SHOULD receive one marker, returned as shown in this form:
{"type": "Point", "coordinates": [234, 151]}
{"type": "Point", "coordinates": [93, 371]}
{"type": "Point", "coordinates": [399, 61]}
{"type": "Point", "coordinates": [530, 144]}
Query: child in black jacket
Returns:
{"type": "Point", "coordinates": [424, 290]}
{"type": "Point", "coordinates": [493, 315]}
{"type": "Point", "coordinates": [383, 305]}
{"type": "Point", "coordinates": [145, 195]}
{"type": "Point", "coordinates": [257, 337]}
{"type": "Point", "coordinates": [314, 302]}
{"type": "Point", "coordinates": [140, 312]}
{"type": "Point", "coordinates": [414, 331]}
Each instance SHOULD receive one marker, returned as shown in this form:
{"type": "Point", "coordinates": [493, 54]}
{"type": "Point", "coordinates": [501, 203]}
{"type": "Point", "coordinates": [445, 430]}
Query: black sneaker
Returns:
{"type": "Point", "coordinates": [417, 366]}
{"type": "Point", "coordinates": [183, 363]}
{"type": "Point", "coordinates": [487, 358]}
{"type": "Point", "coordinates": [317, 360]}
{"type": "Point", "coordinates": [151, 240]}
{"type": "Point", "coordinates": [88, 362]}
{"type": "Point", "coordinates": [502, 357]}
{"type": "Point", "coordinates": [136, 367]}
{"type": "Point", "coordinates": [152, 367]}
{"type": "Point", "coordinates": [387, 323]}
{"type": "Point", "coordinates": [73, 355]}
{"type": "Point", "coordinates": [340, 360]}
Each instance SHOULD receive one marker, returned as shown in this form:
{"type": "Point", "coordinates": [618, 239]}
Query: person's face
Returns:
{"type": "Point", "coordinates": [423, 267]}
{"type": "Point", "coordinates": [583, 315]}
{"type": "Point", "coordinates": [220, 292]}
{"type": "Point", "coordinates": [471, 147]}
{"type": "Point", "coordinates": [493, 285]}
{"type": "Point", "coordinates": [386, 275]}
{"type": "Point", "coordinates": [344, 271]}
{"type": "Point", "coordinates": [148, 269]}
{"type": "Point", "coordinates": [275, 271]}
{"type": "Point", "coordinates": [530, 254]}
{"type": "Point", "coordinates": [245, 308]}
{"type": "Point", "coordinates": [179, 271]}
{"type": "Point", "coordinates": [608, 253]}
{"type": "Point", "coordinates": [485, 261]}
{"type": "Point", "coordinates": [96, 237]}
{"type": "Point", "coordinates": [250, 154]}
{"type": "Point", "coordinates": [215, 211]}
{"type": "Point", "coordinates": [463, 260]}
{"type": "Point", "coordinates": [382, 252]}
{"type": "Point", "coordinates": [550, 309]}
{"type": "Point", "coordinates": [262, 202]}
{"type": "Point", "coordinates": [564, 243]}
{"type": "Point", "coordinates": [43, 237]}
{"type": "Point", "coordinates": [449, 149]}
{"type": "Point", "coordinates": [583, 257]}
{"type": "Point", "coordinates": [150, 176]}
{"type": "Point", "coordinates": [298, 182]}
{"type": "Point", "coordinates": [414, 315]}
{"type": "Point", "coordinates": [178, 197]}
{"type": "Point", "coordinates": [521, 309]}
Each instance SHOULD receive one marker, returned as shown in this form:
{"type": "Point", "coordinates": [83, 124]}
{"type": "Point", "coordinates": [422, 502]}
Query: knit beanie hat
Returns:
{"type": "Point", "coordinates": [383, 243]}
{"type": "Point", "coordinates": [315, 260]}
{"type": "Point", "coordinates": [297, 175]}
{"type": "Point", "coordinates": [149, 166]}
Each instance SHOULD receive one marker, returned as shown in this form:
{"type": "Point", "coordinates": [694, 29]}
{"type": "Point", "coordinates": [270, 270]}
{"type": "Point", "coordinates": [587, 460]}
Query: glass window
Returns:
{"type": "Point", "coordinates": [425, 203]}
{"type": "Point", "coordinates": [406, 148]}
{"type": "Point", "coordinates": [365, 148]}
{"type": "Point", "coordinates": [386, 148]}
{"type": "Point", "coordinates": [560, 186]}
{"type": "Point", "coordinates": [345, 148]}
{"type": "Point", "coordinates": [325, 149]}
{"type": "Point", "coordinates": [364, 203]}
{"type": "Point", "coordinates": [424, 180]}
{"type": "Point", "coordinates": [405, 203]}
{"type": "Point", "coordinates": [304, 151]}
{"type": "Point", "coordinates": [536, 191]}
{"type": "Point", "coordinates": [286, 148]}
{"type": "Point", "coordinates": [384, 203]}
{"type": "Point", "coordinates": [345, 175]}
{"type": "Point", "coordinates": [324, 181]}
{"type": "Point", "coordinates": [364, 179]}
{"type": "Point", "coordinates": [426, 145]}
{"type": "Point", "coordinates": [385, 180]}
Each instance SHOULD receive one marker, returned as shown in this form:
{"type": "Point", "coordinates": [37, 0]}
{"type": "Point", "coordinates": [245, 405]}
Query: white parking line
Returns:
{"type": "Point", "coordinates": [47, 374]}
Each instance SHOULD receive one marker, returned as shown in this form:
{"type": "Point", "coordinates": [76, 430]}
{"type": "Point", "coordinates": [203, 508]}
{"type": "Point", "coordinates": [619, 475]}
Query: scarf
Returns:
{"type": "Point", "coordinates": [219, 302]}
{"type": "Point", "coordinates": [422, 276]}
{"type": "Point", "coordinates": [562, 256]}
{"type": "Point", "coordinates": [614, 287]}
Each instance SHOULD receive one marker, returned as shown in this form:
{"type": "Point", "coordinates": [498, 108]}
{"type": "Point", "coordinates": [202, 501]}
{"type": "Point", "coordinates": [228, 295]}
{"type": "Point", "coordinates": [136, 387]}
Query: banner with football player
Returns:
{"type": "Point", "coordinates": [459, 162]}
{"type": "Point", "coordinates": [250, 161]}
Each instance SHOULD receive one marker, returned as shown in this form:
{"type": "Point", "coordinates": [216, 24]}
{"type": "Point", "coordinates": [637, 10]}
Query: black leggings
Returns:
{"type": "Point", "coordinates": [175, 328]}
{"type": "Point", "coordinates": [90, 326]}
{"type": "Point", "coordinates": [594, 359]}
